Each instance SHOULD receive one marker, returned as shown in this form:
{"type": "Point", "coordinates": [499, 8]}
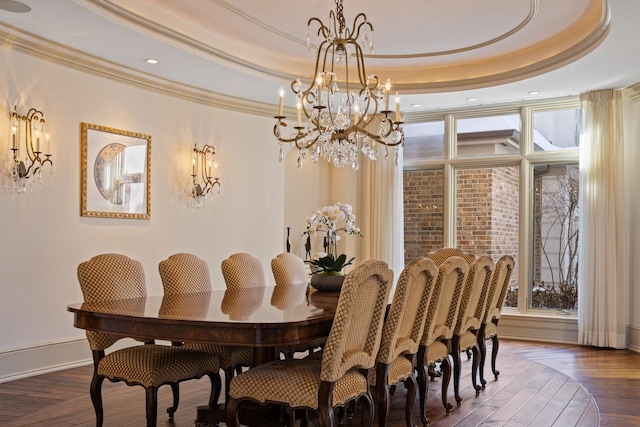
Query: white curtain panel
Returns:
{"type": "Point", "coordinates": [603, 276]}
{"type": "Point", "coordinates": [381, 199]}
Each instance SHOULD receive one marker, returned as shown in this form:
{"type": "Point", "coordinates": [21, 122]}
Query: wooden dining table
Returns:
{"type": "Point", "coordinates": [263, 318]}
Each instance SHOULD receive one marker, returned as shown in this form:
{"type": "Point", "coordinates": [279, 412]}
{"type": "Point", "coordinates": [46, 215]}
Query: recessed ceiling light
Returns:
{"type": "Point", "coordinates": [534, 92]}
{"type": "Point", "coordinates": [151, 61]}
{"type": "Point", "coordinates": [416, 105]}
{"type": "Point", "coordinates": [472, 99]}
{"type": "Point", "coordinates": [14, 6]}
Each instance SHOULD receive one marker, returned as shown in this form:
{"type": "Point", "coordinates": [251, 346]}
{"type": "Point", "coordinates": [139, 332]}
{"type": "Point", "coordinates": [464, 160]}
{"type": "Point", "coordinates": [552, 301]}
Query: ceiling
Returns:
{"type": "Point", "coordinates": [437, 53]}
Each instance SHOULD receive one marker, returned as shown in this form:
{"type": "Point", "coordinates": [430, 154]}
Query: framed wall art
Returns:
{"type": "Point", "coordinates": [115, 173]}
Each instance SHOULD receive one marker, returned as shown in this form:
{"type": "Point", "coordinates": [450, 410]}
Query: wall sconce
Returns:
{"type": "Point", "coordinates": [204, 175]}
{"type": "Point", "coordinates": [28, 129]}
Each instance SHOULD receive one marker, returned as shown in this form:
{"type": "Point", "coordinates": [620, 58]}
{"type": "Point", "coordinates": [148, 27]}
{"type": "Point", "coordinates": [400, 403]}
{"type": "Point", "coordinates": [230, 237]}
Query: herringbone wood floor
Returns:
{"type": "Point", "coordinates": [539, 385]}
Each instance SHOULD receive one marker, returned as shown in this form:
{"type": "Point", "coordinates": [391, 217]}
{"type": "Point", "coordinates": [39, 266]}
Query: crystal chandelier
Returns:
{"type": "Point", "coordinates": [27, 163]}
{"type": "Point", "coordinates": [341, 112]}
{"type": "Point", "coordinates": [204, 175]}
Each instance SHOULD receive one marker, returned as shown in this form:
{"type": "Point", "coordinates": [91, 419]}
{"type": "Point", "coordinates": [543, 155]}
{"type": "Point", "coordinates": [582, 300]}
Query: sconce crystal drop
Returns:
{"type": "Point", "coordinates": [31, 150]}
{"type": "Point", "coordinates": [204, 175]}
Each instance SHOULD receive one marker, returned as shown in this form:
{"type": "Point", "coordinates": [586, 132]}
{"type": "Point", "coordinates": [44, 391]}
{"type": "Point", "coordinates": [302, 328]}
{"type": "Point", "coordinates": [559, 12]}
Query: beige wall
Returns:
{"type": "Point", "coordinates": [43, 237]}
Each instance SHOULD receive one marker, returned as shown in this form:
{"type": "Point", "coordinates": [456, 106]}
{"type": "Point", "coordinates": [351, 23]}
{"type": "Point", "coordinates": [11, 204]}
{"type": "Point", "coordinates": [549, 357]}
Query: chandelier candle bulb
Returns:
{"type": "Point", "coordinates": [356, 110]}
{"type": "Point", "coordinates": [397, 108]}
{"type": "Point", "coordinates": [299, 113]}
{"type": "Point", "coordinates": [387, 89]}
{"type": "Point", "coordinates": [46, 137]}
{"type": "Point", "coordinates": [281, 104]}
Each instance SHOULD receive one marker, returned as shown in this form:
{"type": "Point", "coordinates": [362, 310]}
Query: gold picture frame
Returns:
{"type": "Point", "coordinates": [115, 173]}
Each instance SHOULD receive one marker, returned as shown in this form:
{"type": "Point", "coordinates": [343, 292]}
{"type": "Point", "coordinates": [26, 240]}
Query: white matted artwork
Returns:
{"type": "Point", "coordinates": [116, 173]}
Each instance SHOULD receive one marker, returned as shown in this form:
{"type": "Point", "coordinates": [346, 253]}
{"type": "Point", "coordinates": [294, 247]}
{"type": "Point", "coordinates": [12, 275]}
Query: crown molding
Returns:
{"type": "Point", "coordinates": [30, 44]}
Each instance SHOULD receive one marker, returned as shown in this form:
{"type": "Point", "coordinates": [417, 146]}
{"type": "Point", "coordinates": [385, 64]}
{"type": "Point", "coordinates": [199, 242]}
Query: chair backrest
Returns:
{"type": "Point", "coordinates": [108, 277]}
{"type": "Point", "coordinates": [355, 335]}
{"type": "Point", "coordinates": [443, 312]}
{"type": "Point", "coordinates": [289, 269]}
{"type": "Point", "coordinates": [441, 255]}
{"type": "Point", "coordinates": [242, 270]}
{"type": "Point", "coordinates": [184, 273]}
{"type": "Point", "coordinates": [498, 289]}
{"type": "Point", "coordinates": [404, 325]}
{"type": "Point", "coordinates": [474, 299]}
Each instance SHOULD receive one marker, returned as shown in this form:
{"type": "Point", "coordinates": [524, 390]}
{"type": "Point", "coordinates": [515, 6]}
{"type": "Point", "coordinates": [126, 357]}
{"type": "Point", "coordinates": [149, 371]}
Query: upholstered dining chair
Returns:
{"type": "Point", "coordinates": [187, 273]}
{"type": "Point", "coordinates": [441, 255]}
{"type": "Point", "coordinates": [401, 334]}
{"type": "Point", "coordinates": [290, 271]}
{"type": "Point", "coordinates": [344, 372]}
{"type": "Point", "coordinates": [495, 300]}
{"type": "Point", "coordinates": [118, 277]}
{"type": "Point", "coordinates": [472, 307]}
{"type": "Point", "coordinates": [242, 270]}
{"type": "Point", "coordinates": [436, 338]}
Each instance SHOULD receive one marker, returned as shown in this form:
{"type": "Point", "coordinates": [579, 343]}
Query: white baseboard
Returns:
{"type": "Point", "coordinates": [555, 329]}
{"type": "Point", "coordinates": [634, 338]}
{"type": "Point", "coordinates": [43, 358]}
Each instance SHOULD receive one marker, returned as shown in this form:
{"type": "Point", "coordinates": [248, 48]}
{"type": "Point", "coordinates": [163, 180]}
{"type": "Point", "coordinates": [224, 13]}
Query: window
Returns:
{"type": "Point", "coordinates": [424, 140]}
{"type": "Point", "coordinates": [487, 202]}
{"type": "Point", "coordinates": [556, 231]}
{"type": "Point", "coordinates": [505, 182]}
{"type": "Point", "coordinates": [423, 212]}
{"type": "Point", "coordinates": [488, 136]}
{"type": "Point", "coordinates": [556, 129]}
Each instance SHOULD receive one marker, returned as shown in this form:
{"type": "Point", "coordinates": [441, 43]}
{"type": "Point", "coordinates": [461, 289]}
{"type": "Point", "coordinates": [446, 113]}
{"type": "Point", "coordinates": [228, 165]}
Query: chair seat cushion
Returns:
{"type": "Point", "coordinates": [490, 330]}
{"type": "Point", "coordinates": [400, 369]}
{"type": "Point", "coordinates": [229, 356]}
{"type": "Point", "coordinates": [467, 340]}
{"type": "Point", "coordinates": [436, 352]}
{"type": "Point", "coordinates": [294, 382]}
{"type": "Point", "coordinates": [154, 365]}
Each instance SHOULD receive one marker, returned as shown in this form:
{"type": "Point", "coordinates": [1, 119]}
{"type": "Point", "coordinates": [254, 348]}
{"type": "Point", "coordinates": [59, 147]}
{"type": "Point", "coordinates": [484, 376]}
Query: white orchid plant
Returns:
{"type": "Point", "coordinates": [330, 220]}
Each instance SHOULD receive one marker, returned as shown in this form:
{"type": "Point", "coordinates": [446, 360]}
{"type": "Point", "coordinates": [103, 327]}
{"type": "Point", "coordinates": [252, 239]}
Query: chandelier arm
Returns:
{"type": "Point", "coordinates": [322, 29]}
{"type": "Point", "coordinates": [362, 74]}
{"type": "Point", "coordinates": [357, 27]}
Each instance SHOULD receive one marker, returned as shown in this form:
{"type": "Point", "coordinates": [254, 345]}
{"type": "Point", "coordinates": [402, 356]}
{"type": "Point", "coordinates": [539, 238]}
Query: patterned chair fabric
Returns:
{"type": "Point", "coordinates": [184, 273]}
{"type": "Point", "coordinates": [472, 307]}
{"type": "Point", "coordinates": [402, 332]}
{"type": "Point", "coordinates": [343, 374]}
{"type": "Point", "coordinates": [439, 326]}
{"type": "Point", "coordinates": [441, 255]}
{"type": "Point", "coordinates": [495, 300]}
{"type": "Point", "coordinates": [290, 272]}
{"type": "Point", "coordinates": [242, 270]}
{"type": "Point", "coordinates": [114, 276]}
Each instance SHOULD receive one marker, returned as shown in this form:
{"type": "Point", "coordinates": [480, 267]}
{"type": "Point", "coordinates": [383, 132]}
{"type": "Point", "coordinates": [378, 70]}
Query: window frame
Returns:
{"type": "Point", "coordinates": [526, 159]}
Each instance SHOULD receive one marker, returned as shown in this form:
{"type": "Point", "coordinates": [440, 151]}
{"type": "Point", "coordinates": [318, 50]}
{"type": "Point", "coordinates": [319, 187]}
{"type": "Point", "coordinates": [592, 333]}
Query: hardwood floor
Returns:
{"type": "Point", "coordinates": [539, 385]}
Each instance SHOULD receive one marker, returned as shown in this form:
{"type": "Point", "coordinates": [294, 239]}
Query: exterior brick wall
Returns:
{"type": "Point", "coordinates": [487, 212]}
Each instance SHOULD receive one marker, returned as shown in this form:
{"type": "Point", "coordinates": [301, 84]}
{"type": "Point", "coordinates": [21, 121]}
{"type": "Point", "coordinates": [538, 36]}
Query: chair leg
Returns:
{"type": "Point", "coordinates": [228, 376]}
{"type": "Point", "coordinates": [325, 408]}
{"type": "Point", "coordinates": [382, 390]}
{"type": "Point", "coordinates": [422, 382]}
{"type": "Point", "coordinates": [175, 389]}
{"type": "Point", "coordinates": [446, 377]}
{"type": "Point", "coordinates": [367, 410]}
{"type": "Point", "coordinates": [152, 406]}
{"type": "Point", "coordinates": [231, 414]}
{"type": "Point", "coordinates": [96, 398]}
{"type": "Point", "coordinates": [457, 367]}
{"type": "Point", "coordinates": [494, 355]}
{"type": "Point", "coordinates": [482, 347]}
{"type": "Point", "coordinates": [216, 385]}
{"type": "Point", "coordinates": [474, 368]}
{"type": "Point", "coordinates": [410, 385]}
